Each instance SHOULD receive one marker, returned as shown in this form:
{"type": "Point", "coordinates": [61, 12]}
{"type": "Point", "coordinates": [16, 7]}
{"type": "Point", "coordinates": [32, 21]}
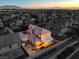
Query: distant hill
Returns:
{"type": "Point", "coordinates": [10, 7]}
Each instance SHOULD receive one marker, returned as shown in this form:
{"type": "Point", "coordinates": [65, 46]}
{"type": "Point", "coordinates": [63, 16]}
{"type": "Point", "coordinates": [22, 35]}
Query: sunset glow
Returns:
{"type": "Point", "coordinates": [42, 3]}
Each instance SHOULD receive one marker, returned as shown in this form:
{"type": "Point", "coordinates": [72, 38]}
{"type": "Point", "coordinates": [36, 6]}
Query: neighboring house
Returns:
{"type": "Point", "coordinates": [10, 48]}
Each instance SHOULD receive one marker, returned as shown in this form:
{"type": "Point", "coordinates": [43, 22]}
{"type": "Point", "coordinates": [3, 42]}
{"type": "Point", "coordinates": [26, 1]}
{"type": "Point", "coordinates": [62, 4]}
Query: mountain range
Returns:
{"type": "Point", "coordinates": [10, 7]}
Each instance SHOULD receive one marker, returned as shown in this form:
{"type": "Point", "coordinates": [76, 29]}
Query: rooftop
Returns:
{"type": "Point", "coordinates": [14, 53]}
{"type": "Point", "coordinates": [8, 40]}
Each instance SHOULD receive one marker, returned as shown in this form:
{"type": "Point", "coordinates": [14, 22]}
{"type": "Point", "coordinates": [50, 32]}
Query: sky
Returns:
{"type": "Point", "coordinates": [41, 3]}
